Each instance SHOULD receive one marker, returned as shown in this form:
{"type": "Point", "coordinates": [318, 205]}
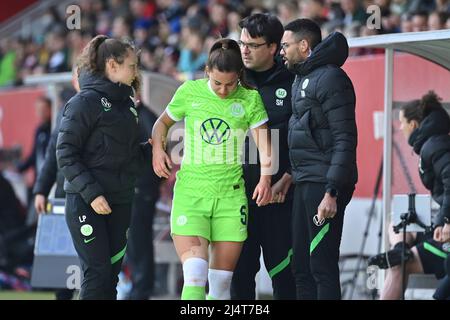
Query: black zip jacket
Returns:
{"type": "Point", "coordinates": [432, 143]}
{"type": "Point", "coordinates": [322, 130]}
{"type": "Point", "coordinates": [98, 149]}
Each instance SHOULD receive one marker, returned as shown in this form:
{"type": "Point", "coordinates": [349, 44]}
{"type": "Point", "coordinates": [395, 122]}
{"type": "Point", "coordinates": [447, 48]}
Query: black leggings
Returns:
{"type": "Point", "coordinates": [316, 249]}
{"type": "Point", "coordinates": [269, 229]}
{"type": "Point", "coordinates": [140, 247]}
{"type": "Point", "coordinates": [100, 241]}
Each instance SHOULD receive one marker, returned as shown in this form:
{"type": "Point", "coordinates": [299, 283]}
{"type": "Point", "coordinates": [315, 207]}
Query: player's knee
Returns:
{"type": "Point", "coordinates": [219, 284]}
{"type": "Point", "coordinates": [195, 272]}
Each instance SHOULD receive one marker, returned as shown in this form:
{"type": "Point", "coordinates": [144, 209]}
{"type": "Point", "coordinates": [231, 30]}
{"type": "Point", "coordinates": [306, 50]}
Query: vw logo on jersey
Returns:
{"type": "Point", "coordinates": [281, 93]}
{"type": "Point", "coordinates": [106, 104]}
{"type": "Point", "coordinates": [215, 131]}
{"type": "Point", "coordinates": [237, 110]}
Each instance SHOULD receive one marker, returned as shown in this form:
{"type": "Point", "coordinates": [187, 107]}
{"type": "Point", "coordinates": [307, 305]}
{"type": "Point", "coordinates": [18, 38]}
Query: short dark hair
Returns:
{"type": "Point", "coordinates": [264, 25]}
{"type": "Point", "coordinates": [305, 29]}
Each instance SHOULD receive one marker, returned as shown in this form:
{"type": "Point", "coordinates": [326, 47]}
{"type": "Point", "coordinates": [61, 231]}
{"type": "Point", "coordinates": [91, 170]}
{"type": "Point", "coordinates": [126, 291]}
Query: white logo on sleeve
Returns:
{"type": "Point", "coordinates": [106, 104]}
{"type": "Point", "coordinates": [304, 85]}
{"type": "Point", "coordinates": [181, 220]}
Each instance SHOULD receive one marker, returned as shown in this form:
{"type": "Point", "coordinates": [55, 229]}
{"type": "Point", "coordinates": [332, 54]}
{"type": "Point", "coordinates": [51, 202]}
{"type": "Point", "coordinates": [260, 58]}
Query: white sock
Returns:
{"type": "Point", "coordinates": [219, 284]}
{"type": "Point", "coordinates": [195, 272]}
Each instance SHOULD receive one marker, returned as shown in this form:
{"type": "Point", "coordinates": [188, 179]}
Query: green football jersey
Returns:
{"type": "Point", "coordinates": [215, 131]}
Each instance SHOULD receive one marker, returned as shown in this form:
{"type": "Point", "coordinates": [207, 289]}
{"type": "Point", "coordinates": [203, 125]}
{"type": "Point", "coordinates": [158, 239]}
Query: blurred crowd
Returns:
{"type": "Point", "coordinates": [175, 35]}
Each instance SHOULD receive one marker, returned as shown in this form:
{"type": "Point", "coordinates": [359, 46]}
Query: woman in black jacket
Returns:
{"type": "Point", "coordinates": [426, 126]}
{"type": "Point", "coordinates": [99, 154]}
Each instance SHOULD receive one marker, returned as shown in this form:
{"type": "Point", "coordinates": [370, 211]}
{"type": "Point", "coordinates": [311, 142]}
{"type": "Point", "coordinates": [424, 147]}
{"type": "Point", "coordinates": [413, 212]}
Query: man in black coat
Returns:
{"type": "Point", "coordinates": [322, 148]}
{"type": "Point", "coordinates": [49, 174]}
{"type": "Point", "coordinates": [269, 227]}
{"type": "Point", "coordinates": [140, 250]}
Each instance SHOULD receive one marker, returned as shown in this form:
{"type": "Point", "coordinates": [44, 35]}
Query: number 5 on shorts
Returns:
{"type": "Point", "coordinates": [243, 215]}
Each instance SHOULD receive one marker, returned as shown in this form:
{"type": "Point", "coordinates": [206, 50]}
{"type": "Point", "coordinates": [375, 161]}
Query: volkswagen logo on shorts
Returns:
{"type": "Point", "coordinates": [215, 131]}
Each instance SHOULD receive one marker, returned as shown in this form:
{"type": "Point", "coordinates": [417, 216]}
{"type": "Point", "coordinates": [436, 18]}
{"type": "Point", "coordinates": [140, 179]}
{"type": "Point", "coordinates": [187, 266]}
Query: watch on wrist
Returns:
{"type": "Point", "coordinates": [332, 192]}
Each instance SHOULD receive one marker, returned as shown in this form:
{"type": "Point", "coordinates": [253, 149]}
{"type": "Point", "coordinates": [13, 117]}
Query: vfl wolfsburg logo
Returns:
{"type": "Point", "coordinates": [281, 93]}
{"type": "Point", "coordinates": [215, 131]}
{"type": "Point", "coordinates": [86, 230]}
{"type": "Point", "coordinates": [106, 104]}
{"type": "Point", "coordinates": [237, 110]}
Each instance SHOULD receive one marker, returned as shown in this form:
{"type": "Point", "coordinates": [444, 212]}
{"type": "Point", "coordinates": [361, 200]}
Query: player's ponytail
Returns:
{"type": "Point", "coordinates": [418, 109]}
{"type": "Point", "coordinates": [225, 56]}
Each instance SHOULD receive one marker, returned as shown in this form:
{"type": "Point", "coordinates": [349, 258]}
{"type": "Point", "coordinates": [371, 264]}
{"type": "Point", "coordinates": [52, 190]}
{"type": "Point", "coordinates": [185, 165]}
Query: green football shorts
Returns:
{"type": "Point", "coordinates": [215, 219]}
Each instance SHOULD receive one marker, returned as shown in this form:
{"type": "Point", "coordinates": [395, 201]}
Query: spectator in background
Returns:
{"type": "Point", "coordinates": [41, 136]}
{"type": "Point", "coordinates": [443, 6]}
{"type": "Point", "coordinates": [354, 13]}
{"type": "Point", "coordinates": [192, 57]}
{"type": "Point", "coordinates": [437, 20]}
{"type": "Point", "coordinates": [218, 16]}
{"type": "Point", "coordinates": [287, 10]}
{"type": "Point", "coordinates": [233, 25]}
{"type": "Point", "coordinates": [314, 10]}
{"type": "Point", "coordinates": [399, 7]}
{"type": "Point", "coordinates": [8, 61]}
{"type": "Point", "coordinates": [140, 33]}
{"type": "Point", "coordinates": [406, 24]}
{"type": "Point", "coordinates": [419, 21]}
{"type": "Point", "coordinates": [58, 59]}
{"type": "Point", "coordinates": [121, 28]}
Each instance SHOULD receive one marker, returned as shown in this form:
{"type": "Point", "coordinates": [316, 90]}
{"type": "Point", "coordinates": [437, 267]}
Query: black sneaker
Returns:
{"type": "Point", "coordinates": [390, 258]}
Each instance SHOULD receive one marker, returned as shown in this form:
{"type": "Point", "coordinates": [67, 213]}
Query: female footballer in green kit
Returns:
{"type": "Point", "coordinates": [209, 204]}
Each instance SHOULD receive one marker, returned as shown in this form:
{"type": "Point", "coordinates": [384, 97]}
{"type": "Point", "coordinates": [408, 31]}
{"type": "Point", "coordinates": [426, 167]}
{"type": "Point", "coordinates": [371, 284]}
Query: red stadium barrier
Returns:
{"type": "Point", "coordinates": [18, 119]}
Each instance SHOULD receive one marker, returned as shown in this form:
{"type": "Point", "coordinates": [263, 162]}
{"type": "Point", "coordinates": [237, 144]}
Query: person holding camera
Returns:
{"type": "Point", "coordinates": [426, 126]}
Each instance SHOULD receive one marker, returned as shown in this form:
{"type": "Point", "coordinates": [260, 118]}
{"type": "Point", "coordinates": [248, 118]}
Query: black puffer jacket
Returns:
{"type": "Point", "coordinates": [432, 142]}
{"type": "Point", "coordinates": [274, 86]}
{"type": "Point", "coordinates": [322, 130]}
{"type": "Point", "coordinates": [98, 149]}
